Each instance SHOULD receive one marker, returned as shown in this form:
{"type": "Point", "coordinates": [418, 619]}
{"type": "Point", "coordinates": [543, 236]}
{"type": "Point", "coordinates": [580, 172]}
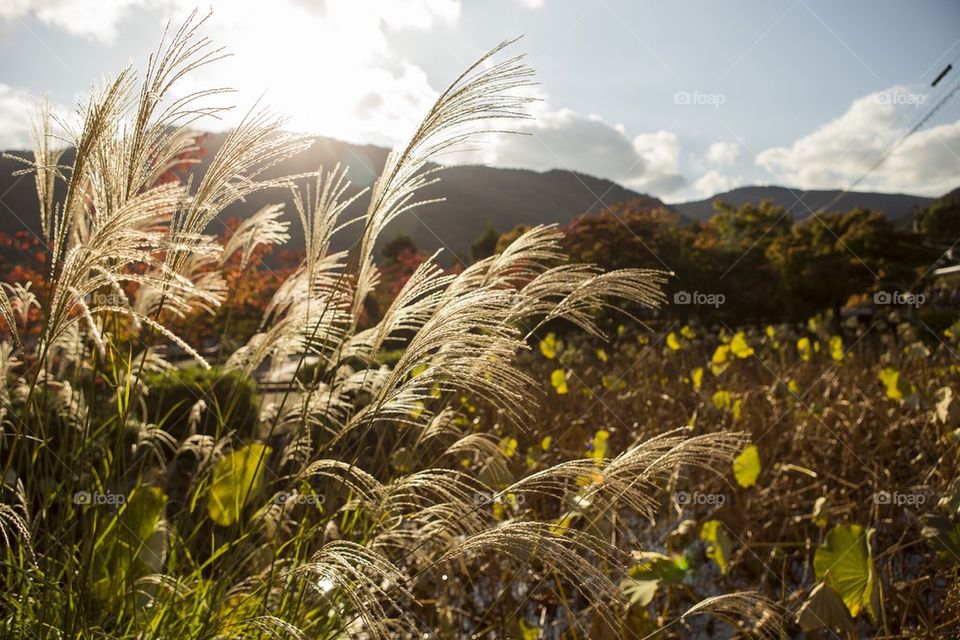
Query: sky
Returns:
{"type": "Point", "coordinates": [681, 100]}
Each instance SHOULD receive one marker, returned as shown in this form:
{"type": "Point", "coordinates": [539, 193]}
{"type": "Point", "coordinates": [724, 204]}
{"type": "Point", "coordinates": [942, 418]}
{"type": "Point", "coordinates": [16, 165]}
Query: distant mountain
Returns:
{"type": "Point", "coordinates": [895, 206]}
{"type": "Point", "coordinates": [475, 197]}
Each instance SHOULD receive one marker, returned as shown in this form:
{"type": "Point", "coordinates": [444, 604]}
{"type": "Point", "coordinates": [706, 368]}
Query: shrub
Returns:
{"type": "Point", "coordinates": [229, 399]}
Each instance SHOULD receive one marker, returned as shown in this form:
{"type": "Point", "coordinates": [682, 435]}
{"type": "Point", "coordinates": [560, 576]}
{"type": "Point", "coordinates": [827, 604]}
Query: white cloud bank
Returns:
{"type": "Point", "coordinates": [842, 150]}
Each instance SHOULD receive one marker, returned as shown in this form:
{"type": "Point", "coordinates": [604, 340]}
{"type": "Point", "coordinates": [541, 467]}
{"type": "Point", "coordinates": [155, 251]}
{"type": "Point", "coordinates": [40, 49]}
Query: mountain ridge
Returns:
{"type": "Point", "coordinates": [474, 196]}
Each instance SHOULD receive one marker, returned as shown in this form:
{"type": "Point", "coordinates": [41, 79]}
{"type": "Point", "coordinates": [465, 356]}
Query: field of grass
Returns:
{"type": "Point", "coordinates": [500, 454]}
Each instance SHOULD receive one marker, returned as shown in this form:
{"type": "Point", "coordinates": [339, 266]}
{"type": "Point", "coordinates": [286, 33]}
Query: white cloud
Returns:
{"type": "Point", "coordinates": [842, 150]}
{"type": "Point", "coordinates": [714, 182]}
{"type": "Point", "coordinates": [565, 139]}
{"type": "Point", "coordinates": [89, 18]}
{"type": "Point", "coordinates": [532, 4]}
{"type": "Point", "coordinates": [16, 107]}
{"type": "Point", "coordinates": [723, 153]}
{"type": "Point", "coordinates": [14, 118]}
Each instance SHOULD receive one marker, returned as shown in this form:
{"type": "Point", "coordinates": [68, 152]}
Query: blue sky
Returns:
{"type": "Point", "coordinates": [678, 99]}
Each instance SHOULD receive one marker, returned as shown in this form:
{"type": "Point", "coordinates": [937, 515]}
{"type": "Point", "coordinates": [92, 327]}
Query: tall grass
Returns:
{"type": "Point", "coordinates": [365, 492]}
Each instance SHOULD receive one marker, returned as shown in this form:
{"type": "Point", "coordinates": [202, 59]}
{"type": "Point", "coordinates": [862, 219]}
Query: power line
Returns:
{"type": "Point", "coordinates": [896, 145]}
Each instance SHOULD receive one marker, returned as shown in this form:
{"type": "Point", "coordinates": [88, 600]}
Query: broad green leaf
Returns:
{"type": "Point", "coordinates": [836, 348]}
{"type": "Point", "coordinates": [652, 570]}
{"type": "Point", "coordinates": [823, 609]}
{"type": "Point", "coordinates": [739, 346]}
{"type": "Point", "coordinates": [132, 544]}
{"type": "Point", "coordinates": [548, 346]}
{"type": "Point", "coordinates": [639, 592]}
{"type": "Point", "coordinates": [657, 566]}
{"type": "Point", "coordinates": [845, 562]}
{"type": "Point", "coordinates": [237, 478]}
{"type": "Point", "coordinates": [719, 545]}
{"type": "Point", "coordinates": [696, 376]}
{"type": "Point", "coordinates": [746, 466]}
{"type": "Point", "coordinates": [673, 342]}
{"type": "Point", "coordinates": [559, 381]}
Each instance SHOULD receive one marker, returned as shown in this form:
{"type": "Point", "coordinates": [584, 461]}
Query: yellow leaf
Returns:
{"type": "Point", "coordinates": [563, 524]}
{"type": "Point", "coordinates": [722, 399]}
{"type": "Point", "coordinates": [673, 342]}
{"type": "Point", "coordinates": [771, 332]}
{"type": "Point", "coordinates": [417, 370]}
{"type": "Point", "coordinates": [836, 348]}
{"type": "Point", "coordinates": [737, 409]}
{"type": "Point", "coordinates": [559, 381]}
{"type": "Point", "coordinates": [687, 332]}
{"type": "Point", "coordinates": [528, 631]}
{"type": "Point", "coordinates": [546, 442]}
{"type": "Point", "coordinates": [805, 349]}
{"type": "Point", "coordinates": [237, 478]}
{"type": "Point", "coordinates": [720, 355]}
{"type": "Point", "coordinates": [739, 346]}
{"type": "Point", "coordinates": [599, 449]}
{"type": "Point", "coordinates": [897, 387]}
{"type": "Point", "coordinates": [719, 545]}
{"type": "Point", "coordinates": [696, 376]}
{"type": "Point", "coordinates": [548, 346]}
{"type": "Point", "coordinates": [746, 466]}
{"type": "Point", "coordinates": [508, 446]}
{"type": "Point", "coordinates": [602, 355]}
{"type": "Point", "coordinates": [720, 360]}
{"type": "Point", "coordinates": [793, 386]}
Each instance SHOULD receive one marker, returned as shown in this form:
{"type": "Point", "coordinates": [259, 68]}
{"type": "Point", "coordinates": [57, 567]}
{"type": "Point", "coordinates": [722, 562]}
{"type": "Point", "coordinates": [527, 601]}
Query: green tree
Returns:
{"type": "Point", "coordinates": [399, 244]}
{"type": "Point", "coordinates": [486, 245]}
